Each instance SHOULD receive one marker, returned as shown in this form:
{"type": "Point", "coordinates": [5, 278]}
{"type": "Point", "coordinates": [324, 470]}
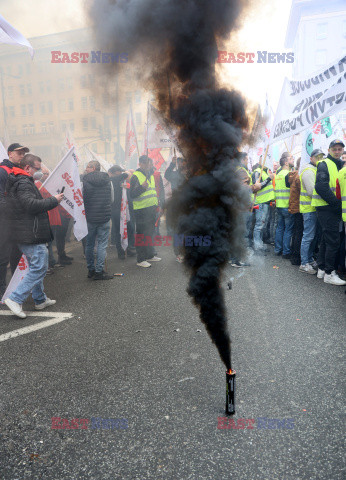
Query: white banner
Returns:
{"type": "Point", "coordinates": [131, 145]}
{"type": "Point", "coordinates": [303, 103]}
{"type": "Point", "coordinates": [66, 174]}
{"type": "Point", "coordinates": [20, 272]}
{"type": "Point", "coordinates": [124, 218]}
{"type": "Point", "coordinates": [3, 152]}
{"type": "Point", "coordinates": [9, 34]}
{"type": "Point", "coordinates": [159, 133]}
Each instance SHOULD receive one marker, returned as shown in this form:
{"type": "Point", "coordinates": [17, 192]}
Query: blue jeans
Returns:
{"type": "Point", "coordinates": [260, 225]}
{"type": "Point", "coordinates": [37, 256]}
{"type": "Point", "coordinates": [284, 231]}
{"type": "Point", "coordinates": [306, 248]}
{"type": "Point", "coordinates": [101, 232]}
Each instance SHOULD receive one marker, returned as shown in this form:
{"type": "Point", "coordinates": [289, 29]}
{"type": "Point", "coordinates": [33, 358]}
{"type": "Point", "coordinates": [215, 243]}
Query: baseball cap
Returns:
{"type": "Point", "coordinates": [316, 152]}
{"type": "Point", "coordinates": [17, 146]}
{"type": "Point", "coordinates": [336, 142]}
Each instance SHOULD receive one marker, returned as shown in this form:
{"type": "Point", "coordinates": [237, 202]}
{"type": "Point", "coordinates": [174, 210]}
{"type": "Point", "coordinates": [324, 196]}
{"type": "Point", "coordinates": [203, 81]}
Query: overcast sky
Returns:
{"type": "Point", "coordinates": [264, 29]}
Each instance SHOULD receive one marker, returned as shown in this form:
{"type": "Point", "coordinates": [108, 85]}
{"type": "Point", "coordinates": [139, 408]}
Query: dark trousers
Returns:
{"type": "Point", "coordinates": [145, 225]}
{"type": "Point", "coordinates": [330, 240]}
{"type": "Point", "coordinates": [115, 232]}
{"type": "Point", "coordinates": [297, 236]}
{"type": "Point", "coordinates": [9, 252]}
{"type": "Point", "coordinates": [60, 232]}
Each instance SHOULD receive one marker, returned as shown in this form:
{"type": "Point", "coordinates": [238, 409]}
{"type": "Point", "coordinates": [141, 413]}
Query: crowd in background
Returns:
{"type": "Point", "coordinates": [301, 212]}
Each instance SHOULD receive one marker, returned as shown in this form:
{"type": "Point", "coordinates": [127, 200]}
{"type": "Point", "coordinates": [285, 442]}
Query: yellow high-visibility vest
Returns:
{"type": "Point", "coordinates": [147, 198]}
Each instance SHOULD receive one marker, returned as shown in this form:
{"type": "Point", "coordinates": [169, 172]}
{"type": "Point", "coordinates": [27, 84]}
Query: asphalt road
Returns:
{"type": "Point", "coordinates": [136, 353]}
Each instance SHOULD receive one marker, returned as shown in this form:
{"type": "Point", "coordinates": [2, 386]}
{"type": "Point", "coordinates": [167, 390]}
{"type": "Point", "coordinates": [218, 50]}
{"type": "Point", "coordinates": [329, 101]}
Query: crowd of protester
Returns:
{"type": "Point", "coordinates": [301, 213]}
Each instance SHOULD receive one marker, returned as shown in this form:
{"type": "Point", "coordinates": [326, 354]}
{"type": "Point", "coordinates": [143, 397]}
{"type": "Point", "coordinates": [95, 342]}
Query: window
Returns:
{"type": "Point", "coordinates": [28, 68]}
{"type": "Point", "coordinates": [51, 127]}
{"type": "Point", "coordinates": [62, 106]}
{"type": "Point", "coordinates": [30, 109]}
{"type": "Point", "coordinates": [44, 128]}
{"type": "Point", "coordinates": [11, 111]}
{"type": "Point", "coordinates": [138, 96]}
{"type": "Point", "coordinates": [25, 129]}
{"type": "Point", "coordinates": [138, 118]}
{"type": "Point", "coordinates": [321, 57]}
{"type": "Point", "coordinates": [72, 126]}
{"type": "Point", "coordinates": [41, 87]}
{"type": "Point", "coordinates": [48, 86]}
{"type": "Point", "coordinates": [61, 83]}
{"type": "Point", "coordinates": [29, 89]}
{"type": "Point", "coordinates": [84, 103]}
{"type": "Point", "coordinates": [92, 103]}
{"type": "Point", "coordinates": [83, 81]}
{"type": "Point", "coordinates": [94, 147]}
{"type": "Point", "coordinates": [31, 129]}
{"type": "Point", "coordinates": [10, 92]}
{"type": "Point", "coordinates": [91, 80]}
{"type": "Point", "coordinates": [22, 90]}
{"type": "Point", "coordinates": [50, 107]}
{"type": "Point", "coordinates": [23, 109]}
{"type": "Point", "coordinates": [63, 127]}
{"type": "Point", "coordinates": [85, 124]}
{"type": "Point", "coordinates": [13, 130]}
{"type": "Point", "coordinates": [70, 105]}
{"type": "Point", "coordinates": [93, 123]}
{"type": "Point", "coordinates": [321, 31]}
{"type": "Point", "coordinates": [42, 108]}
{"type": "Point", "coordinates": [69, 82]}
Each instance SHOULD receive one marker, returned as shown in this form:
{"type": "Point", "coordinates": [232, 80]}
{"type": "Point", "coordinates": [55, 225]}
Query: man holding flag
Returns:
{"type": "Point", "coordinates": [31, 230]}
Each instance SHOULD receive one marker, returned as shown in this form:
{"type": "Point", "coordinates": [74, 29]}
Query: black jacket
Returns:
{"type": "Point", "coordinates": [29, 221]}
{"type": "Point", "coordinates": [3, 181]}
{"type": "Point", "coordinates": [117, 181]}
{"type": "Point", "coordinates": [174, 177]}
{"type": "Point", "coordinates": [322, 186]}
{"type": "Point", "coordinates": [97, 197]}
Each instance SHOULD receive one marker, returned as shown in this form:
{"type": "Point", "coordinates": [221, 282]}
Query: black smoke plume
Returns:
{"type": "Point", "coordinates": [174, 43]}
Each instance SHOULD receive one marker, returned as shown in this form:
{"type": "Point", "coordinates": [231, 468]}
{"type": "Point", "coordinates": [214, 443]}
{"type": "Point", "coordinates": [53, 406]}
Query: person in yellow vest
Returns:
{"type": "Point", "coordinates": [145, 202]}
{"type": "Point", "coordinates": [263, 198]}
{"type": "Point", "coordinates": [285, 223]}
{"type": "Point", "coordinates": [307, 184]}
{"type": "Point", "coordinates": [328, 208]}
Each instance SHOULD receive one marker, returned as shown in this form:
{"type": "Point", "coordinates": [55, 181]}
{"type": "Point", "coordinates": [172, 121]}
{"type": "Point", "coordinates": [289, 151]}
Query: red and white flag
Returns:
{"type": "Point", "coordinates": [66, 174]}
{"type": "Point", "coordinates": [131, 144]}
{"type": "Point", "coordinates": [70, 142]}
{"type": "Point", "coordinates": [124, 218]}
{"type": "Point", "coordinates": [20, 272]}
{"type": "Point", "coordinates": [11, 35]}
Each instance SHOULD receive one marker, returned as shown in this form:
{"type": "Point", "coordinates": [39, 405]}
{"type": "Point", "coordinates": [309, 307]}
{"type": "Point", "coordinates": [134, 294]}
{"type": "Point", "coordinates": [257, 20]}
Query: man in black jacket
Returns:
{"type": "Point", "coordinates": [8, 251]}
{"type": "Point", "coordinates": [329, 213]}
{"type": "Point", "coordinates": [97, 193]}
{"type": "Point", "coordinates": [30, 228]}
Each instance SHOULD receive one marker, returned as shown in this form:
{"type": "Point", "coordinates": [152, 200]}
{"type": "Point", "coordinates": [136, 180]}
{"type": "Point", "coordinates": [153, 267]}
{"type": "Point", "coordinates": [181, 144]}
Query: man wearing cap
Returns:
{"type": "Point", "coordinates": [8, 251]}
{"type": "Point", "coordinates": [307, 183]}
{"type": "Point", "coordinates": [328, 208]}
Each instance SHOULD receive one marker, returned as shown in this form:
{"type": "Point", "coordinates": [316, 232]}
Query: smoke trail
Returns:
{"type": "Point", "coordinates": [175, 42]}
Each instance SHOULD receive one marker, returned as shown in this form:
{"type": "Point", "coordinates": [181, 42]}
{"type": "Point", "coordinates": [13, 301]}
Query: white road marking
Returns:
{"type": "Point", "coordinates": [56, 317]}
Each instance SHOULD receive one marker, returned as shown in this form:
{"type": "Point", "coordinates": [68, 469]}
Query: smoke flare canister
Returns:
{"type": "Point", "coordinates": [230, 392]}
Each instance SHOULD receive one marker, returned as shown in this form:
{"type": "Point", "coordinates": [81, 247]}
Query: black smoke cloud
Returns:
{"type": "Point", "coordinates": [175, 42]}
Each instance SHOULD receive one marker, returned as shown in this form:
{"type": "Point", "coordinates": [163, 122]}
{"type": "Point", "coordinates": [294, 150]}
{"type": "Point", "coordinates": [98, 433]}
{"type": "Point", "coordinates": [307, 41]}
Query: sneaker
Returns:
{"type": "Point", "coordinates": [333, 279]}
{"type": "Point", "coordinates": [307, 269]}
{"type": "Point", "coordinates": [102, 276]}
{"type": "Point", "coordinates": [15, 308]}
{"type": "Point", "coordinates": [144, 264]}
{"type": "Point", "coordinates": [58, 265]}
{"type": "Point", "coordinates": [180, 258]}
{"type": "Point", "coordinates": [47, 303]}
{"type": "Point", "coordinates": [154, 259]}
{"type": "Point", "coordinates": [91, 273]}
{"type": "Point", "coordinates": [314, 264]}
{"type": "Point", "coordinates": [320, 273]}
